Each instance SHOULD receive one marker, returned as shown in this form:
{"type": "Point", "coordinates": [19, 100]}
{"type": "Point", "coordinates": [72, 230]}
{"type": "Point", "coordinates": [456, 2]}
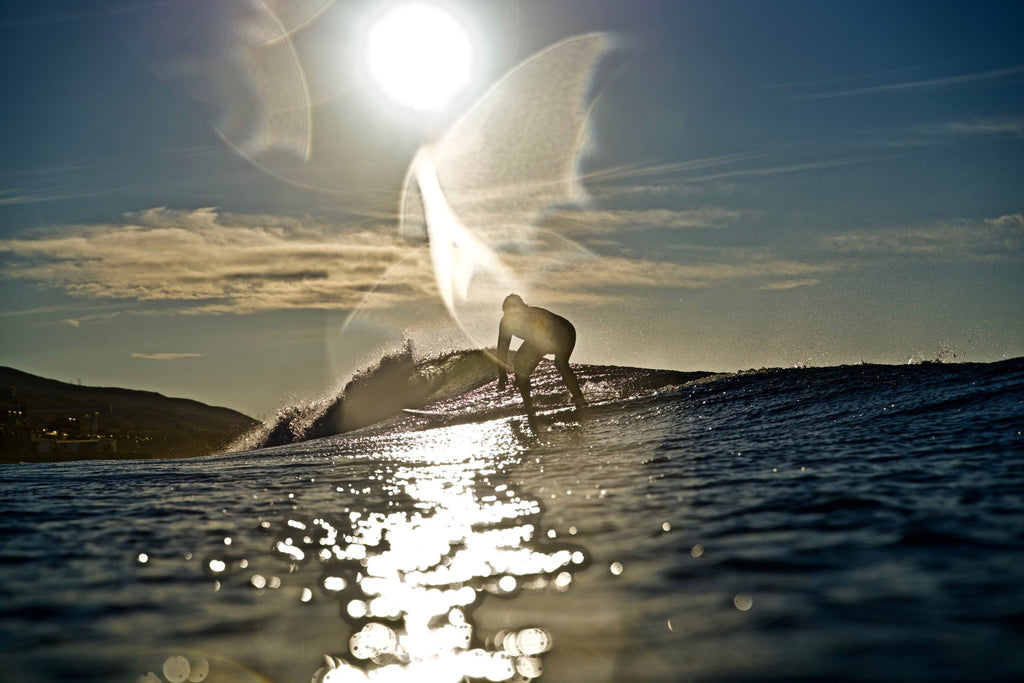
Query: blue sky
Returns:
{"type": "Point", "coordinates": [192, 205]}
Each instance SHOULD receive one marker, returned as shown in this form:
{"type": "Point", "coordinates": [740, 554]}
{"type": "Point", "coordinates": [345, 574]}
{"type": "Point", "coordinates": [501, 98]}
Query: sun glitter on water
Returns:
{"type": "Point", "coordinates": [420, 56]}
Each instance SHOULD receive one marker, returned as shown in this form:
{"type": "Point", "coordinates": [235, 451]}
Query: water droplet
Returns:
{"type": "Point", "coordinates": [176, 669]}
{"type": "Point", "coordinates": [533, 641]}
{"type": "Point", "coordinates": [743, 602]}
{"type": "Point", "coordinates": [143, 558]}
{"type": "Point", "coordinates": [334, 583]}
{"type": "Point", "coordinates": [200, 669]}
{"type": "Point", "coordinates": [615, 568]}
{"type": "Point", "coordinates": [666, 527]}
{"type": "Point", "coordinates": [356, 609]}
{"type": "Point", "coordinates": [529, 667]}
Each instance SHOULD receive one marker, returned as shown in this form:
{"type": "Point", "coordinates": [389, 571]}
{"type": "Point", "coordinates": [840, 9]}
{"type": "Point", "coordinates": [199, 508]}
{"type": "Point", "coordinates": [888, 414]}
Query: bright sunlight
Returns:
{"type": "Point", "coordinates": [420, 56]}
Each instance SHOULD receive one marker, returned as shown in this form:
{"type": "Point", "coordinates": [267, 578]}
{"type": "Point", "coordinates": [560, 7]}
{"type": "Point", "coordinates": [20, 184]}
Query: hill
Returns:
{"type": "Point", "coordinates": [46, 420]}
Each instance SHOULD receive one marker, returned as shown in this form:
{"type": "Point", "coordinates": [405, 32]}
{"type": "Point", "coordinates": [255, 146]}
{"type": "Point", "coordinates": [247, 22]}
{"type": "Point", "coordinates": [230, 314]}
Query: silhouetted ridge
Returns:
{"type": "Point", "coordinates": [45, 420]}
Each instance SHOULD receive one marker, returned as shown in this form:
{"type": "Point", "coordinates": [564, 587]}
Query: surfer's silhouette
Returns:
{"type": "Point", "coordinates": [543, 333]}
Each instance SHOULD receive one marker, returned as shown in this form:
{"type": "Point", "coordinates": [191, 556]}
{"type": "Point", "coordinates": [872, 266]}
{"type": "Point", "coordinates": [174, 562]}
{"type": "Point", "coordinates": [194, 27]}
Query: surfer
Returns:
{"type": "Point", "coordinates": [543, 333]}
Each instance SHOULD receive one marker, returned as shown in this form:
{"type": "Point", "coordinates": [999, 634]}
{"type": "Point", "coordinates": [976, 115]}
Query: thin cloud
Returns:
{"type": "Point", "coordinates": [13, 198]}
{"type": "Point", "coordinates": [656, 169]}
{"type": "Point", "coordinates": [925, 84]}
{"type": "Point", "coordinates": [784, 169]}
{"type": "Point", "coordinates": [991, 127]}
{"type": "Point", "coordinates": [607, 274]}
{"type": "Point", "coordinates": [784, 285]}
{"type": "Point", "coordinates": [714, 175]}
{"type": "Point", "coordinates": [207, 261]}
{"type": "Point", "coordinates": [591, 222]}
{"type": "Point", "coordinates": [991, 240]}
{"type": "Point", "coordinates": [166, 356]}
{"type": "Point", "coordinates": [793, 85]}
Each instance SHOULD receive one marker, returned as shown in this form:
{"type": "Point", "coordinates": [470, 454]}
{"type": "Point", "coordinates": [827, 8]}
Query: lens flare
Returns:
{"type": "Point", "coordinates": [477, 196]}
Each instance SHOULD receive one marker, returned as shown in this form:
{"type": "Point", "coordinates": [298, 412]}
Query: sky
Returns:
{"type": "Point", "coordinates": [219, 201]}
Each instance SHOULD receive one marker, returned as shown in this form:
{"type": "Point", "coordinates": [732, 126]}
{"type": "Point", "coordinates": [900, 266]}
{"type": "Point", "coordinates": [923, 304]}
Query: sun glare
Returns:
{"type": "Point", "coordinates": [419, 55]}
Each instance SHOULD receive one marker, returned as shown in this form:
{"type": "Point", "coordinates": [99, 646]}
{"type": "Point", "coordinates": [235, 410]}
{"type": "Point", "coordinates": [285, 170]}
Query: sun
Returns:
{"type": "Point", "coordinates": [419, 55]}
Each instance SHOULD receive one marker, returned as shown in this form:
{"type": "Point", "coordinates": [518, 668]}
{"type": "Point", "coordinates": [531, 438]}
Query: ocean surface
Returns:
{"type": "Point", "coordinates": [856, 523]}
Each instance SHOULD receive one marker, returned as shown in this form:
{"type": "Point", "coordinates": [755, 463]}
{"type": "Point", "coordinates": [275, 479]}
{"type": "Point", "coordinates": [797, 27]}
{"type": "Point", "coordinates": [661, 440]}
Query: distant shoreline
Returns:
{"type": "Point", "coordinates": [44, 420]}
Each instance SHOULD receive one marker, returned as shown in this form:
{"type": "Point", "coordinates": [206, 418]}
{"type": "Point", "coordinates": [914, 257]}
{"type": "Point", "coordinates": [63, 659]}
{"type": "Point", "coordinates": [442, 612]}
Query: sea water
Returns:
{"type": "Point", "coordinates": [859, 523]}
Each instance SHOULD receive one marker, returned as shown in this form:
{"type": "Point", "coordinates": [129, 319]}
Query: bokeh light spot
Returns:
{"type": "Point", "coordinates": [176, 669]}
{"type": "Point", "coordinates": [743, 602]}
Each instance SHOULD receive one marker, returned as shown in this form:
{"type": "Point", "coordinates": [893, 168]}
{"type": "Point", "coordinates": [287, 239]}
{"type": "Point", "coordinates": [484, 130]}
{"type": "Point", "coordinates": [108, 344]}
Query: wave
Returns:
{"type": "Point", "coordinates": [454, 383]}
{"type": "Point", "coordinates": [375, 394]}
{"type": "Point", "coordinates": [459, 385]}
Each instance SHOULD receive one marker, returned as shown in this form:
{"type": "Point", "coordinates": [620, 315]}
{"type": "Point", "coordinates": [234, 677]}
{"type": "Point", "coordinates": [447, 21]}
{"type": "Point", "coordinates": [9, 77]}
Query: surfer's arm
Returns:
{"type": "Point", "coordinates": [501, 353]}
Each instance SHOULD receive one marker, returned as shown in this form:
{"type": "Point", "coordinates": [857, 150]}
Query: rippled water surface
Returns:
{"type": "Point", "coordinates": [855, 524]}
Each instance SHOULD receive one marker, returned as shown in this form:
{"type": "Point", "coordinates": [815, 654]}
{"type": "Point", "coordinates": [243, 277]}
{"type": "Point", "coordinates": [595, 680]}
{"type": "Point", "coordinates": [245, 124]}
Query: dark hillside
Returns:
{"type": "Point", "coordinates": [44, 420]}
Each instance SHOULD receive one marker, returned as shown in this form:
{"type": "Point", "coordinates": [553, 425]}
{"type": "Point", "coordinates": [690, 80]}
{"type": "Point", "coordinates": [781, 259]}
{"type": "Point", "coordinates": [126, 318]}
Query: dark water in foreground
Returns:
{"type": "Point", "coordinates": [846, 524]}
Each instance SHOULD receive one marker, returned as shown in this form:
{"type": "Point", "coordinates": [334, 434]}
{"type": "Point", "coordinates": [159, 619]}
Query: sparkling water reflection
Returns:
{"type": "Point", "coordinates": [409, 578]}
{"type": "Point", "coordinates": [407, 555]}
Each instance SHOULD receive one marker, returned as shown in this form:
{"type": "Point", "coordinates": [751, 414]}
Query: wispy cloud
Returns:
{"type": "Point", "coordinates": [783, 285]}
{"type": "Point", "coordinates": [982, 127]}
{"type": "Point", "coordinates": [989, 76]}
{"type": "Point", "coordinates": [800, 167]}
{"type": "Point", "coordinates": [612, 277]}
{"type": "Point", "coordinates": [82, 313]}
{"type": "Point", "coordinates": [166, 356]}
{"type": "Point", "coordinates": [989, 240]}
{"type": "Point", "coordinates": [209, 262]}
{"type": "Point", "coordinates": [590, 222]}
{"type": "Point", "coordinates": [660, 169]}
{"type": "Point", "coordinates": [714, 178]}
{"type": "Point", "coordinates": [204, 261]}
{"type": "Point", "coordinates": [14, 197]}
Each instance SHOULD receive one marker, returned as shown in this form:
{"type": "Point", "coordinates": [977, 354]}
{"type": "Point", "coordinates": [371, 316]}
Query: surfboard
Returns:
{"type": "Point", "coordinates": [428, 413]}
{"type": "Point", "coordinates": [546, 415]}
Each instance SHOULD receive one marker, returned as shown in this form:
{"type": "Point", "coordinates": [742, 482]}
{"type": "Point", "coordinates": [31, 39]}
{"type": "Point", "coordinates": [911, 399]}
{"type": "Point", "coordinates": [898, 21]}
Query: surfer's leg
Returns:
{"type": "Point", "coordinates": [526, 360]}
{"type": "Point", "coordinates": [571, 383]}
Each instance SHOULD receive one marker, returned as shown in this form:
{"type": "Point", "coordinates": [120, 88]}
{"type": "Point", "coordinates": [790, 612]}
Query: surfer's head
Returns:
{"type": "Point", "coordinates": [512, 301]}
